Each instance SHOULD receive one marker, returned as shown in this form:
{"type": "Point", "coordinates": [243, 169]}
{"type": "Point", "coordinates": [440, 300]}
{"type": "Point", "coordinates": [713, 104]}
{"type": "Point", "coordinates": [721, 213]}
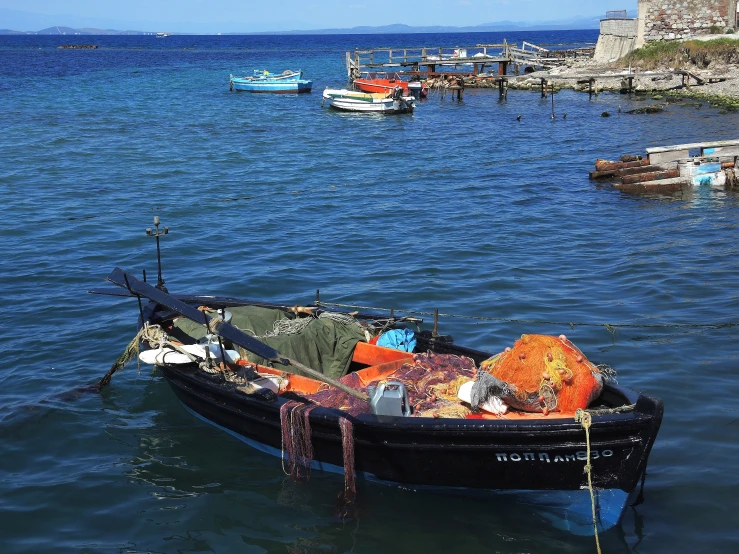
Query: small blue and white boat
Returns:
{"type": "Point", "coordinates": [264, 81]}
{"type": "Point", "coordinates": [702, 171]}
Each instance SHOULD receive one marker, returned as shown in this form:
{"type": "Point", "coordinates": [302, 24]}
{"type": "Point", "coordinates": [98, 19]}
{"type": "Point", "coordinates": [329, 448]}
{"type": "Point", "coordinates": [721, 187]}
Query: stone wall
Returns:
{"type": "Point", "coordinates": [683, 19]}
{"type": "Point", "coordinates": [617, 38]}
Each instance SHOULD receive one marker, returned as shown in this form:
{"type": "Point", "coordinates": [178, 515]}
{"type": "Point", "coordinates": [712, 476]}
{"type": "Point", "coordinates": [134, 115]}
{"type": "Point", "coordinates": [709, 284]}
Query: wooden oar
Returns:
{"type": "Point", "coordinates": [220, 327]}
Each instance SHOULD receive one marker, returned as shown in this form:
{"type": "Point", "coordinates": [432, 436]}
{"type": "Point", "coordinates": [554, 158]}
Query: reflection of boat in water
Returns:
{"type": "Point", "coordinates": [391, 102]}
{"type": "Point", "coordinates": [319, 381]}
{"type": "Point", "coordinates": [264, 81]}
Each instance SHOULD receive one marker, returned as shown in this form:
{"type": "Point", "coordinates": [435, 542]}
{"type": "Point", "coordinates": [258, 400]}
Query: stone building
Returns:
{"type": "Point", "coordinates": [662, 20]}
{"type": "Point", "coordinates": [682, 19]}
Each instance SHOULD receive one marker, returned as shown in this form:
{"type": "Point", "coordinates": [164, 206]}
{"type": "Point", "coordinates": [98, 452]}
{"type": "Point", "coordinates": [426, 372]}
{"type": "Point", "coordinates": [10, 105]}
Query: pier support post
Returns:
{"type": "Point", "coordinates": [502, 68]}
{"type": "Point", "coordinates": [458, 87]}
{"type": "Point", "coordinates": [543, 87]}
{"type": "Point", "coordinates": [503, 88]}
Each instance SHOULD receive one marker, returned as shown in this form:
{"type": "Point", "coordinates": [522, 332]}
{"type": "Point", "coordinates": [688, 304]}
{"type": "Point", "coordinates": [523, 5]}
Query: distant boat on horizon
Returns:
{"type": "Point", "coordinates": [162, 35]}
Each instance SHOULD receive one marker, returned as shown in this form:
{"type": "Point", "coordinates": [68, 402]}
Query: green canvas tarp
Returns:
{"type": "Point", "coordinates": [324, 344]}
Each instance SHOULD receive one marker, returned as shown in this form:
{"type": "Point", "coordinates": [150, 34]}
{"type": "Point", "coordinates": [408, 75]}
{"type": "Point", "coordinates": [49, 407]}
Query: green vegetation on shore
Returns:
{"type": "Point", "coordinates": [723, 103]}
{"type": "Point", "coordinates": [691, 54]}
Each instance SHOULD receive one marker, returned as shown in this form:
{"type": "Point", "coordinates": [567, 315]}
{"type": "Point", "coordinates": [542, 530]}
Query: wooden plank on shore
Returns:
{"type": "Point", "coordinates": [694, 76]}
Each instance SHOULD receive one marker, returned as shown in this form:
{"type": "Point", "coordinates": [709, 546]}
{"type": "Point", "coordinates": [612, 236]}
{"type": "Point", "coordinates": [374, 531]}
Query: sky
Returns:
{"type": "Point", "coordinates": [212, 16]}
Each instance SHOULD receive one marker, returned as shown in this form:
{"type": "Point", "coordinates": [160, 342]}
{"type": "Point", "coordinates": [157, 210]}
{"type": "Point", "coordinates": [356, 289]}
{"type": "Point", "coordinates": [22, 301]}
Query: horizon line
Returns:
{"type": "Point", "coordinates": [352, 30]}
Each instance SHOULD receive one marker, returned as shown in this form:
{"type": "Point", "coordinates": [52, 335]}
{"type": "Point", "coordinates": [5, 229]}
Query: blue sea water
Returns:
{"type": "Point", "coordinates": [458, 207]}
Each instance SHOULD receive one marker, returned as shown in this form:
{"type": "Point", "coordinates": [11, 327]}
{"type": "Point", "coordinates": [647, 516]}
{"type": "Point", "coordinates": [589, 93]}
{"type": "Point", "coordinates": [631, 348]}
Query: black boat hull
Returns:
{"type": "Point", "coordinates": [484, 454]}
{"type": "Point", "coordinates": [542, 458]}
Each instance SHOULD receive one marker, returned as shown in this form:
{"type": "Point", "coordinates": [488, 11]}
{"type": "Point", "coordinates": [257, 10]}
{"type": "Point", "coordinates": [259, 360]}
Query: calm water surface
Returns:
{"type": "Point", "coordinates": [458, 207]}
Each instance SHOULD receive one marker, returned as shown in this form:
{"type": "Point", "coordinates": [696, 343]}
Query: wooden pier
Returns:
{"type": "Point", "coordinates": [466, 60]}
{"type": "Point", "coordinates": [627, 79]}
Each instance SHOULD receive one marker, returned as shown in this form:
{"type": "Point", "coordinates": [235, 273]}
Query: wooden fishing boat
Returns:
{"type": "Point", "coordinates": [267, 397]}
{"type": "Point", "coordinates": [394, 102]}
{"type": "Point", "coordinates": [380, 82]}
{"type": "Point", "coordinates": [385, 82]}
{"type": "Point", "coordinates": [264, 81]}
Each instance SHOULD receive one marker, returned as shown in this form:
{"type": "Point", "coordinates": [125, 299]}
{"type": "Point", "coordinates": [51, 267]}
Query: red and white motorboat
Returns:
{"type": "Point", "coordinates": [385, 82]}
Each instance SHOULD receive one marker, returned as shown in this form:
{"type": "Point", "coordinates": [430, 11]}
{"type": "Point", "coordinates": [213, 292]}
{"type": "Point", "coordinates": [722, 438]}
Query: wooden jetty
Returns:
{"type": "Point", "coordinates": [466, 60]}
{"type": "Point", "coordinates": [627, 78]}
{"type": "Point", "coordinates": [663, 170]}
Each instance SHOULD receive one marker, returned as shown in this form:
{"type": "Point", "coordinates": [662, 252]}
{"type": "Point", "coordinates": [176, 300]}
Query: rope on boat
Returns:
{"type": "Point", "coordinates": [132, 350]}
{"type": "Point", "coordinates": [288, 327]}
{"type": "Point", "coordinates": [296, 326]}
{"type": "Point", "coordinates": [585, 419]}
{"type": "Point", "coordinates": [157, 339]}
{"type": "Point", "coordinates": [608, 411]}
{"type": "Point", "coordinates": [611, 327]}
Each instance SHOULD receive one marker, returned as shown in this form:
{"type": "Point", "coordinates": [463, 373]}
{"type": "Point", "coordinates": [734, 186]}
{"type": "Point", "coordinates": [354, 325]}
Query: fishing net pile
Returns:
{"type": "Point", "coordinates": [431, 381]}
{"type": "Point", "coordinates": [541, 373]}
{"type": "Point", "coordinates": [297, 450]}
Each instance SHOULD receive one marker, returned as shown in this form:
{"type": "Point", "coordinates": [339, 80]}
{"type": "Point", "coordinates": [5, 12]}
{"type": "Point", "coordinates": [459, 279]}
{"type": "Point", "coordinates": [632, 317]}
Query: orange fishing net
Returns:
{"type": "Point", "coordinates": [546, 373]}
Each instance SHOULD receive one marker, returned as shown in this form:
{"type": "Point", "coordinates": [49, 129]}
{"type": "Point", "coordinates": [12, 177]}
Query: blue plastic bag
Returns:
{"type": "Point", "coordinates": [399, 339]}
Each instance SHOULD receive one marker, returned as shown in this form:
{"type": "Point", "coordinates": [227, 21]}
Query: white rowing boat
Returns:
{"type": "Point", "coordinates": [372, 102]}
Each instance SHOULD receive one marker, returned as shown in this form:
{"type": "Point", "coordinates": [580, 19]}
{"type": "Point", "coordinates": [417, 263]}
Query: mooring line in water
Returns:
{"type": "Point", "coordinates": [584, 418]}
{"type": "Point", "coordinates": [611, 327]}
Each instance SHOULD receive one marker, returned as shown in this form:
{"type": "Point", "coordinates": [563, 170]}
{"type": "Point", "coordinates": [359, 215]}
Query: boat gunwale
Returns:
{"type": "Point", "coordinates": [647, 408]}
{"type": "Point", "coordinates": [565, 424]}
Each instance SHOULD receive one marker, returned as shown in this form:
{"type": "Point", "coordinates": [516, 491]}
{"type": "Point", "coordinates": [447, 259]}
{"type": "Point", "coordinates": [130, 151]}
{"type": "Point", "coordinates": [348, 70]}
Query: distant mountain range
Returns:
{"type": "Point", "coordinates": [497, 26]}
{"type": "Point", "coordinates": [398, 28]}
{"type": "Point", "coordinates": [71, 31]}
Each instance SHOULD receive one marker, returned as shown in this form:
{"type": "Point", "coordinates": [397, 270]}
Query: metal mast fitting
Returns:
{"type": "Point", "coordinates": [157, 233]}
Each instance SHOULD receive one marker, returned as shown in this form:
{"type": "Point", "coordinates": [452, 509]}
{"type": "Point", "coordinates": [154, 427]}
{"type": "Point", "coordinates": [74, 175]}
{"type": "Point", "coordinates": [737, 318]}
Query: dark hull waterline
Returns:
{"type": "Point", "coordinates": [536, 463]}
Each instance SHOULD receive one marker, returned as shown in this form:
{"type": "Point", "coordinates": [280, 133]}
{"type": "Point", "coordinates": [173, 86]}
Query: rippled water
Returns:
{"type": "Point", "coordinates": [458, 207]}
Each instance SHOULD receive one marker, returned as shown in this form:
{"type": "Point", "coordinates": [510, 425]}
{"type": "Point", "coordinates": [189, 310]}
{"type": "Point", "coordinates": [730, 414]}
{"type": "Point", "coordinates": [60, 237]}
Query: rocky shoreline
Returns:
{"type": "Point", "coordinates": [725, 80]}
{"type": "Point", "coordinates": [720, 83]}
